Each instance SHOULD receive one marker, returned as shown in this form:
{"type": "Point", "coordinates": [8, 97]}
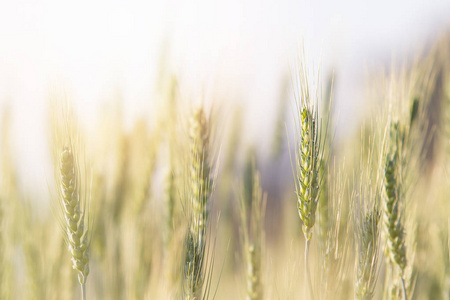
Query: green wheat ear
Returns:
{"type": "Point", "coordinates": [308, 156]}
{"type": "Point", "coordinates": [396, 249]}
{"type": "Point", "coordinates": [308, 172]}
{"type": "Point", "coordinates": [393, 180]}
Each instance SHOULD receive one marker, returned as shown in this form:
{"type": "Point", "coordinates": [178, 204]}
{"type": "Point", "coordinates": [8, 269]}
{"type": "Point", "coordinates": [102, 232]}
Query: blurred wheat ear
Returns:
{"type": "Point", "coordinates": [199, 187]}
{"type": "Point", "coordinates": [252, 208]}
{"type": "Point", "coordinates": [368, 253]}
{"type": "Point", "coordinates": [73, 200]}
{"type": "Point", "coordinates": [395, 232]}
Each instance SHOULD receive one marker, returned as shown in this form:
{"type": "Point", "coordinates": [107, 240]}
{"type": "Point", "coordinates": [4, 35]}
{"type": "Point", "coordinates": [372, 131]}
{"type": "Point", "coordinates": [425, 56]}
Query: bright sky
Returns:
{"type": "Point", "coordinates": [242, 47]}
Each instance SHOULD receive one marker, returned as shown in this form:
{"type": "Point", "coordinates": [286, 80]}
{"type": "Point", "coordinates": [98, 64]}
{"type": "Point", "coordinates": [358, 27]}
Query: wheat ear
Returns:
{"type": "Point", "coordinates": [77, 233]}
{"type": "Point", "coordinates": [73, 197]}
{"type": "Point", "coordinates": [308, 155]}
{"type": "Point", "coordinates": [308, 175]}
{"type": "Point", "coordinates": [199, 189]}
{"type": "Point", "coordinates": [252, 216]}
{"type": "Point", "coordinates": [395, 232]}
{"type": "Point", "coordinates": [367, 258]}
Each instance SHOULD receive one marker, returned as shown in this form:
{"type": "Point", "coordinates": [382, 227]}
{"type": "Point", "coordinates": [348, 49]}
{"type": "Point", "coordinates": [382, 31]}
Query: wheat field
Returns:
{"type": "Point", "coordinates": [183, 206]}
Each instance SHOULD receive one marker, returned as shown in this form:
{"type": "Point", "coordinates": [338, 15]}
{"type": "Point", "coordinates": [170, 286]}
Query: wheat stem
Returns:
{"type": "Point", "coordinates": [83, 291]}
{"type": "Point", "coordinates": [308, 275]}
{"type": "Point", "coordinates": [405, 296]}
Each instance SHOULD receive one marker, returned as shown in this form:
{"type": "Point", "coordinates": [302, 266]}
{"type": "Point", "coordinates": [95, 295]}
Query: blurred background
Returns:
{"type": "Point", "coordinates": [241, 50]}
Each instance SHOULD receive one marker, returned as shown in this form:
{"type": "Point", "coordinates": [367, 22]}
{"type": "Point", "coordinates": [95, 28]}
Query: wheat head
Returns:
{"type": "Point", "coordinates": [198, 193]}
